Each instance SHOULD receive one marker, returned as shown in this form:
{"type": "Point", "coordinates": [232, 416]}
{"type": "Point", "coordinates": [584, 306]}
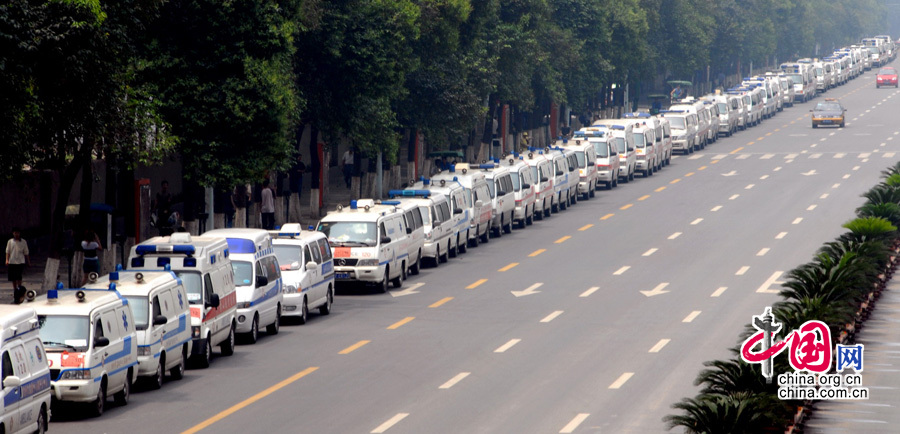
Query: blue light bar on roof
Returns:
{"type": "Point", "coordinates": [144, 249]}
{"type": "Point", "coordinates": [407, 193]}
{"type": "Point", "coordinates": [485, 166]}
{"type": "Point", "coordinates": [241, 245]}
{"type": "Point", "coordinates": [390, 202]}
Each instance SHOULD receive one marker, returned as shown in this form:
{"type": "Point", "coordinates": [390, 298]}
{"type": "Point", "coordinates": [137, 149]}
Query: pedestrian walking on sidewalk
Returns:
{"type": "Point", "coordinates": [90, 245]}
{"type": "Point", "coordinates": [16, 260]}
{"type": "Point", "coordinates": [347, 165]}
{"type": "Point", "coordinates": [267, 206]}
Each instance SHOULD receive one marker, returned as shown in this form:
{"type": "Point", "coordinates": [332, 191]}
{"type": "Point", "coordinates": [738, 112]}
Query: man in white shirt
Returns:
{"type": "Point", "coordinates": [267, 206]}
{"type": "Point", "coordinates": [347, 166]}
{"type": "Point", "coordinates": [16, 260]}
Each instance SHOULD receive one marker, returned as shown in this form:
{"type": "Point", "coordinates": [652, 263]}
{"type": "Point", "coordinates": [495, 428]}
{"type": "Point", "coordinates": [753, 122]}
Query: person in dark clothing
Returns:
{"type": "Point", "coordinates": [296, 174]}
{"type": "Point", "coordinates": [90, 245]}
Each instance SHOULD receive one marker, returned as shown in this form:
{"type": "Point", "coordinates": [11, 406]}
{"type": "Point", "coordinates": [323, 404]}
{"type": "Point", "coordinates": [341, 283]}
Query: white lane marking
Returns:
{"type": "Point", "coordinates": [590, 291]}
{"type": "Point", "coordinates": [452, 382]}
{"type": "Point", "coordinates": [888, 155]}
{"type": "Point", "coordinates": [865, 155]}
{"type": "Point", "coordinates": [836, 185]}
{"type": "Point", "coordinates": [824, 196]}
{"type": "Point", "coordinates": [817, 155]}
{"type": "Point", "coordinates": [716, 208]}
{"type": "Point", "coordinates": [773, 279]}
{"type": "Point", "coordinates": [839, 155]}
{"type": "Point", "coordinates": [811, 207]}
{"type": "Point", "coordinates": [389, 423]}
{"type": "Point", "coordinates": [790, 156]}
{"type": "Point", "coordinates": [764, 177]}
{"type": "Point", "coordinates": [552, 316]}
{"type": "Point", "coordinates": [621, 380]}
{"type": "Point", "coordinates": [720, 156]}
{"type": "Point", "coordinates": [788, 161]}
{"type": "Point", "coordinates": [766, 156]}
{"type": "Point", "coordinates": [719, 291]}
{"type": "Point", "coordinates": [734, 196]}
{"type": "Point", "coordinates": [831, 133]}
{"type": "Point", "coordinates": [659, 345]}
{"type": "Point", "coordinates": [693, 315]}
{"type": "Point", "coordinates": [574, 423]}
{"type": "Point", "coordinates": [813, 145]}
{"type": "Point", "coordinates": [749, 186]}
{"type": "Point", "coordinates": [797, 221]}
{"type": "Point", "coordinates": [780, 235]}
{"type": "Point", "coordinates": [742, 157]}
{"type": "Point", "coordinates": [855, 167]}
{"type": "Point", "coordinates": [865, 160]}
{"type": "Point", "coordinates": [846, 176]}
{"type": "Point", "coordinates": [776, 169]}
{"type": "Point", "coordinates": [695, 157]}
{"type": "Point", "coordinates": [650, 252]}
{"type": "Point", "coordinates": [742, 271]}
{"type": "Point", "coordinates": [621, 270]}
{"type": "Point", "coordinates": [675, 235]}
{"type": "Point", "coordinates": [507, 345]}
{"type": "Point", "coordinates": [762, 252]}
{"type": "Point", "coordinates": [697, 221]}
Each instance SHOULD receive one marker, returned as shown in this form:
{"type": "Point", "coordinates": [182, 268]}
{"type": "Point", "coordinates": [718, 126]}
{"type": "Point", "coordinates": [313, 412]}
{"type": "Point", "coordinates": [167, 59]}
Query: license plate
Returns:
{"type": "Point", "coordinates": [826, 121]}
{"type": "Point", "coordinates": [341, 275]}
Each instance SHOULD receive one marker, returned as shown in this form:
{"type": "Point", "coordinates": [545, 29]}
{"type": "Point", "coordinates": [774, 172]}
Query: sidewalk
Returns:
{"type": "Point", "coordinates": [881, 375]}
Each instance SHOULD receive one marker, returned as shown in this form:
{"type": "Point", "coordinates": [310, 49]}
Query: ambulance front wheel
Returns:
{"type": "Point", "coordinates": [226, 347]}
{"type": "Point", "coordinates": [99, 404]}
{"type": "Point", "coordinates": [121, 398]}
{"type": "Point", "coordinates": [177, 372]}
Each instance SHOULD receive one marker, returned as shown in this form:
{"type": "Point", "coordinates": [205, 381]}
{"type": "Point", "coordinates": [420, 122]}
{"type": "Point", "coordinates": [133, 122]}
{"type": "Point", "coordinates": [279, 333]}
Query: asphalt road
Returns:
{"type": "Point", "coordinates": [587, 350]}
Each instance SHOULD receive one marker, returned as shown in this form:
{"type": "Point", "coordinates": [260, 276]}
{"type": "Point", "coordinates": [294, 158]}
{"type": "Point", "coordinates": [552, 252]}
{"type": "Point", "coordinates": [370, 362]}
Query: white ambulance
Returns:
{"type": "Point", "coordinates": [586, 161]}
{"type": "Point", "coordinates": [606, 152]}
{"type": "Point", "coordinates": [257, 277]}
{"type": "Point", "coordinates": [307, 269]}
{"type": "Point", "coordinates": [91, 344]}
{"type": "Point", "coordinates": [162, 315]}
{"type": "Point", "coordinates": [369, 243]}
{"type": "Point", "coordinates": [458, 214]}
{"type": "Point", "coordinates": [26, 373]}
{"type": "Point", "coordinates": [437, 221]}
{"type": "Point", "coordinates": [204, 267]}
{"type": "Point", "coordinates": [502, 196]}
{"type": "Point", "coordinates": [524, 185]}
{"type": "Point", "coordinates": [477, 199]}
{"type": "Point", "coordinates": [542, 172]}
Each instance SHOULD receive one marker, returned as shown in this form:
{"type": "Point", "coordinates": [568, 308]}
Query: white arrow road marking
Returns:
{"type": "Point", "coordinates": [732, 173]}
{"type": "Point", "coordinates": [810, 173]}
{"type": "Point", "coordinates": [408, 291]}
{"type": "Point", "coordinates": [656, 291]}
{"type": "Point", "coordinates": [772, 280]}
{"type": "Point", "coordinates": [528, 291]}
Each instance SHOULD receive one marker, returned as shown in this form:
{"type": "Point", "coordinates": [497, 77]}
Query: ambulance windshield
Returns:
{"type": "Point", "coordinates": [65, 331]}
{"type": "Point", "coordinates": [243, 273]}
{"type": "Point", "coordinates": [349, 234]}
{"type": "Point", "coordinates": [193, 286]}
{"type": "Point", "coordinates": [140, 308]}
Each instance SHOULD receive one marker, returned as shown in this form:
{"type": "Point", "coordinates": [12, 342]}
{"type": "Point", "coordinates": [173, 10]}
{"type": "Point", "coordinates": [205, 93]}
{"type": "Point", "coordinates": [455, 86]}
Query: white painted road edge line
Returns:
{"type": "Point", "coordinates": [621, 380]}
{"type": "Point", "coordinates": [507, 345]}
{"type": "Point", "coordinates": [693, 315]}
{"type": "Point", "coordinates": [719, 291]}
{"type": "Point", "coordinates": [590, 291]}
{"type": "Point", "coordinates": [574, 423]}
{"type": "Point", "coordinates": [621, 270]}
{"type": "Point", "coordinates": [452, 382]}
{"type": "Point", "coordinates": [552, 316]}
{"type": "Point", "coordinates": [389, 423]}
{"type": "Point", "coordinates": [659, 345]}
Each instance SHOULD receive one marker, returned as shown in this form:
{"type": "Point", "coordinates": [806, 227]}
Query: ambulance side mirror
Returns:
{"type": "Point", "coordinates": [261, 281]}
{"type": "Point", "coordinates": [213, 301]}
{"type": "Point", "coordinates": [544, 179]}
{"type": "Point", "coordinates": [526, 186]}
{"type": "Point", "coordinates": [160, 320]}
{"type": "Point", "coordinates": [385, 240]}
{"type": "Point", "coordinates": [12, 381]}
{"type": "Point", "coordinates": [479, 204]}
{"type": "Point", "coordinates": [101, 342]}
{"type": "Point", "coordinates": [457, 211]}
{"type": "Point", "coordinates": [311, 266]}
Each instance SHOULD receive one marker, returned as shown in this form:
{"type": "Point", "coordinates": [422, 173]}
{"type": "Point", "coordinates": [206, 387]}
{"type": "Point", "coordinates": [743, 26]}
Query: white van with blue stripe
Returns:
{"type": "Point", "coordinates": [26, 374]}
{"type": "Point", "coordinates": [257, 277]}
{"type": "Point", "coordinates": [162, 317]}
{"type": "Point", "coordinates": [307, 268]}
{"type": "Point", "coordinates": [89, 335]}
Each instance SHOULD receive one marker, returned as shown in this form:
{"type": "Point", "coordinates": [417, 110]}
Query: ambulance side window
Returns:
{"type": "Point", "coordinates": [445, 208]}
{"type": "Point", "coordinates": [259, 269]}
{"type": "Point", "coordinates": [325, 249]}
{"type": "Point", "coordinates": [271, 266]}
{"type": "Point", "coordinates": [7, 366]}
{"type": "Point", "coordinates": [417, 216]}
{"type": "Point", "coordinates": [307, 256]}
{"type": "Point", "coordinates": [317, 257]}
{"type": "Point", "coordinates": [157, 308]}
{"type": "Point", "coordinates": [207, 287]}
{"type": "Point", "coordinates": [98, 328]}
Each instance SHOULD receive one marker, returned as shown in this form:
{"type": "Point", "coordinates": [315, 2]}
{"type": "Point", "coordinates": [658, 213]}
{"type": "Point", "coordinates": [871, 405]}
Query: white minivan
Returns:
{"type": "Point", "coordinates": [542, 170]}
{"type": "Point", "coordinates": [437, 222]}
{"type": "Point", "coordinates": [203, 265]}
{"type": "Point", "coordinates": [26, 373]}
{"type": "Point", "coordinates": [477, 199]}
{"type": "Point", "coordinates": [257, 277]}
{"type": "Point", "coordinates": [162, 315]}
{"type": "Point", "coordinates": [307, 270]}
{"type": "Point", "coordinates": [524, 185]}
{"type": "Point", "coordinates": [91, 344]}
{"type": "Point", "coordinates": [607, 156]}
{"type": "Point", "coordinates": [503, 197]}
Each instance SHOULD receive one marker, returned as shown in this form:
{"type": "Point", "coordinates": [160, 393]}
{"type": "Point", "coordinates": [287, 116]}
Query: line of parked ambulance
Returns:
{"type": "Point", "coordinates": [181, 296]}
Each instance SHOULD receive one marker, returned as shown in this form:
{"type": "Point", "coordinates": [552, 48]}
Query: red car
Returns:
{"type": "Point", "coordinates": [886, 77]}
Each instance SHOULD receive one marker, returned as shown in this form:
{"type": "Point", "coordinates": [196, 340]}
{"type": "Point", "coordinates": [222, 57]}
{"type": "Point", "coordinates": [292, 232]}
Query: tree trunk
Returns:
{"type": "Point", "coordinates": [84, 207]}
{"type": "Point", "coordinates": [294, 214]}
{"type": "Point", "coordinates": [57, 221]}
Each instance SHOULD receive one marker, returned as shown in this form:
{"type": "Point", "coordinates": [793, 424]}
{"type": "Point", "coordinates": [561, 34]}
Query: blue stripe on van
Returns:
{"type": "Point", "coordinates": [27, 390]}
